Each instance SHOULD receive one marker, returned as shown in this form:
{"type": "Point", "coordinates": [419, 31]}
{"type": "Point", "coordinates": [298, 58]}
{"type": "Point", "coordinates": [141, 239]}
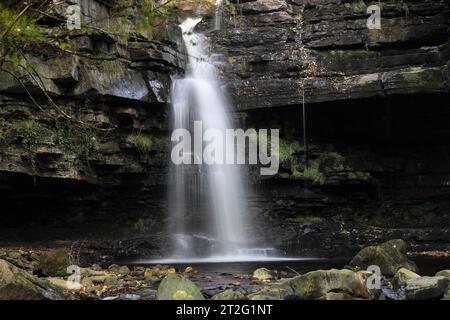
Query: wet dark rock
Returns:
{"type": "Point", "coordinates": [425, 288]}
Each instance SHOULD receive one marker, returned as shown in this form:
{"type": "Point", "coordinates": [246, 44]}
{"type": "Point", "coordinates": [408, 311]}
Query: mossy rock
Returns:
{"type": "Point", "coordinates": [121, 271]}
{"type": "Point", "coordinates": [274, 292]}
{"type": "Point", "coordinates": [229, 295]}
{"type": "Point", "coordinates": [263, 274]}
{"type": "Point", "coordinates": [316, 284]}
{"type": "Point", "coordinates": [17, 284]}
{"type": "Point", "coordinates": [401, 277]}
{"type": "Point", "coordinates": [177, 287]}
{"type": "Point", "coordinates": [390, 256]}
{"type": "Point", "coordinates": [443, 273]}
{"type": "Point", "coordinates": [54, 263]}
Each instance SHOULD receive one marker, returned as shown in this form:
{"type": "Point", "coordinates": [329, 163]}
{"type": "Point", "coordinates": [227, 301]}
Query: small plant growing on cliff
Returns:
{"type": "Point", "coordinates": [79, 141]}
{"type": "Point", "coordinates": [29, 131]}
{"type": "Point", "coordinates": [141, 141]}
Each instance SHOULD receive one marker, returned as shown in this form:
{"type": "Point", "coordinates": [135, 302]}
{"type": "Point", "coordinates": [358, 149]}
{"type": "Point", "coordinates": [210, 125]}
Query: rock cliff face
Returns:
{"type": "Point", "coordinates": [67, 177]}
{"type": "Point", "coordinates": [376, 114]}
{"type": "Point", "coordinates": [376, 119]}
{"type": "Point", "coordinates": [278, 46]}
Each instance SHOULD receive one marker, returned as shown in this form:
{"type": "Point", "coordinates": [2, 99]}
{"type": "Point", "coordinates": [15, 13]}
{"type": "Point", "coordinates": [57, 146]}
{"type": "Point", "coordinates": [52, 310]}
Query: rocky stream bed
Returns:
{"type": "Point", "coordinates": [34, 274]}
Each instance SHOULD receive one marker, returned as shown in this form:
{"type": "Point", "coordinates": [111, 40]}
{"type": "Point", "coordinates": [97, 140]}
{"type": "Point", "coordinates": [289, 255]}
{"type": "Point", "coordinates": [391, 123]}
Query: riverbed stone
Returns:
{"type": "Point", "coordinates": [54, 263]}
{"type": "Point", "coordinates": [263, 274]}
{"type": "Point", "coordinates": [316, 284]}
{"type": "Point", "coordinates": [425, 288]}
{"type": "Point", "coordinates": [390, 256]}
{"type": "Point", "coordinates": [98, 279]}
{"type": "Point", "coordinates": [401, 277]}
{"type": "Point", "coordinates": [177, 287]}
{"type": "Point", "coordinates": [229, 295]}
{"type": "Point", "coordinates": [158, 271]}
{"type": "Point", "coordinates": [121, 271]}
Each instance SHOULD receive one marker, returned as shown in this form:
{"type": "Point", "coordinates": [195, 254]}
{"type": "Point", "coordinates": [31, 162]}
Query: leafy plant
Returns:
{"type": "Point", "coordinates": [141, 141]}
{"type": "Point", "coordinates": [29, 131]}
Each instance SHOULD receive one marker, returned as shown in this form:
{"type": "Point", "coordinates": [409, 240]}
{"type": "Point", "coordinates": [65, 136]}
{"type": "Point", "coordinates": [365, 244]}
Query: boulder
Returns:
{"type": "Point", "coordinates": [401, 277]}
{"type": "Point", "coordinates": [177, 287]}
{"type": "Point", "coordinates": [443, 273]}
{"type": "Point", "coordinates": [229, 295]}
{"type": "Point", "coordinates": [273, 292]}
{"type": "Point", "coordinates": [54, 263]}
{"type": "Point", "coordinates": [17, 284]}
{"type": "Point", "coordinates": [425, 288]}
{"type": "Point", "coordinates": [121, 271]}
{"type": "Point", "coordinates": [316, 284]}
{"type": "Point", "coordinates": [390, 256]}
{"type": "Point", "coordinates": [262, 274]}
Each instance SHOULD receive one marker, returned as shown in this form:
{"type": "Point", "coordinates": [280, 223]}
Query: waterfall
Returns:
{"type": "Point", "coordinates": [208, 202]}
{"type": "Point", "coordinates": [218, 16]}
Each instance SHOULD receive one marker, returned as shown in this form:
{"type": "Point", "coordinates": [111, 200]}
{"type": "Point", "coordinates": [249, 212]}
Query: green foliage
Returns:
{"type": "Point", "coordinates": [79, 141]}
{"type": "Point", "coordinates": [161, 143]}
{"type": "Point", "coordinates": [287, 149]}
{"type": "Point", "coordinates": [141, 141]}
{"type": "Point", "coordinates": [311, 173]}
{"type": "Point", "coordinates": [31, 133]}
{"type": "Point", "coordinates": [327, 164]}
{"type": "Point", "coordinates": [358, 5]}
{"type": "Point", "coordinates": [17, 32]}
{"type": "Point", "coordinates": [303, 219]}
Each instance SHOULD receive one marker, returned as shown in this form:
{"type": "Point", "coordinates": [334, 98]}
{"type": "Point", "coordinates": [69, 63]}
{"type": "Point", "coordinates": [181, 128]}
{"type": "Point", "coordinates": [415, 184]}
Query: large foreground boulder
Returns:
{"type": "Point", "coordinates": [177, 287]}
{"type": "Point", "coordinates": [425, 288]}
{"type": "Point", "coordinates": [17, 284]}
{"type": "Point", "coordinates": [389, 256]}
{"type": "Point", "coordinates": [316, 284]}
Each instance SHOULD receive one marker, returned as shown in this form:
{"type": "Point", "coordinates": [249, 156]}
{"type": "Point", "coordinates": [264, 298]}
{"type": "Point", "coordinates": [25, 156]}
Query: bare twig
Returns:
{"type": "Point", "coordinates": [287, 267]}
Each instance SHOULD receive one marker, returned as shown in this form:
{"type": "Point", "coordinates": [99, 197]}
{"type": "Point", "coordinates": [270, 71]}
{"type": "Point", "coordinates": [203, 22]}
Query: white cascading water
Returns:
{"type": "Point", "coordinates": [207, 203]}
{"type": "Point", "coordinates": [214, 189]}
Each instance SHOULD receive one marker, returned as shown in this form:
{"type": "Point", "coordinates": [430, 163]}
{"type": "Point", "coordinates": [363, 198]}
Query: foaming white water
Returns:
{"type": "Point", "coordinates": [226, 259]}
